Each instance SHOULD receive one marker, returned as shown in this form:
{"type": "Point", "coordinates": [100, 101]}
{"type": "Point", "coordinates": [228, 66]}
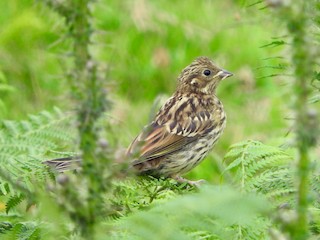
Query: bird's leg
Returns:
{"type": "Point", "coordinates": [180, 179]}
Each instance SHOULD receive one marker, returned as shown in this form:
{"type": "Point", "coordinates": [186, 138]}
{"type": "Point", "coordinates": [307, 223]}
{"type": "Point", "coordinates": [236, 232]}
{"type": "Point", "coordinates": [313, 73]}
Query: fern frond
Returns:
{"type": "Point", "coordinates": [23, 231]}
{"type": "Point", "coordinates": [39, 133]}
{"type": "Point", "coordinates": [315, 183]}
{"type": "Point", "coordinates": [213, 213]}
{"type": "Point", "coordinates": [271, 179]}
{"type": "Point", "coordinates": [14, 201]}
{"type": "Point", "coordinates": [132, 194]}
{"type": "Point", "coordinates": [259, 168]}
{"type": "Point", "coordinates": [24, 145]}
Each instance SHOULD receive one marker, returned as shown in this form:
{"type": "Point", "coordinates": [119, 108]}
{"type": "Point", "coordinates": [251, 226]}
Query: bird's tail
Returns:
{"type": "Point", "coordinates": [64, 164]}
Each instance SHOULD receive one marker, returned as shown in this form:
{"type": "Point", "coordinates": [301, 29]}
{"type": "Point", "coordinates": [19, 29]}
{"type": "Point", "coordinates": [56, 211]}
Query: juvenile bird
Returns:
{"type": "Point", "coordinates": [186, 127]}
{"type": "Point", "coordinates": [184, 130]}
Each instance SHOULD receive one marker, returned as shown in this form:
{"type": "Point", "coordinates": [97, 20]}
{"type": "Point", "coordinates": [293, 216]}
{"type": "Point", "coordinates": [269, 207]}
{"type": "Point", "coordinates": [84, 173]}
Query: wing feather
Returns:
{"type": "Point", "coordinates": [157, 140]}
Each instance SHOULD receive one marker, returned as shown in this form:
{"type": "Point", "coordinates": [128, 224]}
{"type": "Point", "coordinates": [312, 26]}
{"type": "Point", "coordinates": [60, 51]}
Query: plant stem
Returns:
{"type": "Point", "coordinates": [90, 99]}
{"type": "Point", "coordinates": [302, 62]}
{"type": "Point", "coordinates": [92, 105]}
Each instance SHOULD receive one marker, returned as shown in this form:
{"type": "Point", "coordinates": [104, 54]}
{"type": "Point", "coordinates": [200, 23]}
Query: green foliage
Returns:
{"type": "Point", "coordinates": [132, 194]}
{"type": "Point", "coordinates": [24, 145]}
{"type": "Point", "coordinates": [213, 213]}
{"type": "Point", "coordinates": [166, 30]}
{"type": "Point", "coordinates": [22, 231]}
{"type": "Point", "coordinates": [262, 175]}
{"type": "Point", "coordinates": [30, 69]}
{"type": "Point", "coordinates": [260, 168]}
{"type": "Point", "coordinates": [90, 101]}
{"type": "Point", "coordinates": [145, 44]}
{"type": "Point", "coordinates": [36, 135]}
{"type": "Point", "coordinates": [5, 89]}
{"type": "Point", "coordinates": [14, 201]}
{"type": "Point", "coordinates": [139, 208]}
{"type": "Point", "coordinates": [13, 227]}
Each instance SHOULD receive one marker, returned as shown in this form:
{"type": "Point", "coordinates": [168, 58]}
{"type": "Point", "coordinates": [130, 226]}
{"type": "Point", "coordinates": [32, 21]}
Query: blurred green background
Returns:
{"type": "Point", "coordinates": [142, 46]}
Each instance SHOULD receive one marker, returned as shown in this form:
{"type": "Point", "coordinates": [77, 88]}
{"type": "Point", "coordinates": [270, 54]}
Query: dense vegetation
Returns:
{"type": "Point", "coordinates": [82, 76]}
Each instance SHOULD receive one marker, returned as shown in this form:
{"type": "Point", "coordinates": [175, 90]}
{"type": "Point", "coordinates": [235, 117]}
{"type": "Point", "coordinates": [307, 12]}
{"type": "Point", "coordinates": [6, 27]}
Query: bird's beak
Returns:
{"type": "Point", "coordinates": [225, 74]}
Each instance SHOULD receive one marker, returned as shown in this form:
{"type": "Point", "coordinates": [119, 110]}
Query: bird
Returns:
{"type": "Point", "coordinates": [183, 131]}
{"type": "Point", "coordinates": [185, 128]}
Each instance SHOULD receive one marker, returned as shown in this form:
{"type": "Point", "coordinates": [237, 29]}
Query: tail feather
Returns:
{"type": "Point", "coordinates": [64, 164]}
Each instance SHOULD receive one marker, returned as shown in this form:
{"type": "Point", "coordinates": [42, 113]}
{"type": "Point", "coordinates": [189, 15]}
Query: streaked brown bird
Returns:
{"type": "Point", "coordinates": [184, 130]}
{"type": "Point", "coordinates": [186, 127]}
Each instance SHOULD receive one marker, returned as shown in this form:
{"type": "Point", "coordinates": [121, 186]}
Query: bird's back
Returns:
{"type": "Point", "coordinates": [184, 131]}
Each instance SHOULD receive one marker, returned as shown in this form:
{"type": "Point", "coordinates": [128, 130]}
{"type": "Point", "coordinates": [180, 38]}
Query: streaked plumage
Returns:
{"type": "Point", "coordinates": [186, 127]}
{"type": "Point", "coordinates": [184, 130]}
{"type": "Point", "coordinates": [65, 164]}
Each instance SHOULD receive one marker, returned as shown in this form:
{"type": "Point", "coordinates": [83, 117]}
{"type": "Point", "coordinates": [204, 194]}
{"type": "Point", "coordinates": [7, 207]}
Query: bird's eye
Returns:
{"type": "Point", "coordinates": [207, 72]}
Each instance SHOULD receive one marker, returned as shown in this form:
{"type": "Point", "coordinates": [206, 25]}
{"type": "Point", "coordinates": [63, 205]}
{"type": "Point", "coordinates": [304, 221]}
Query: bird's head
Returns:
{"type": "Point", "coordinates": [201, 76]}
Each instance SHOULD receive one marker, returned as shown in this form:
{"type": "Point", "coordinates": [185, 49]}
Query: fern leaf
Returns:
{"type": "Point", "coordinates": [24, 145]}
{"type": "Point", "coordinates": [4, 188]}
{"type": "Point", "coordinates": [259, 168]}
{"type": "Point", "coordinates": [14, 201]}
{"type": "Point", "coordinates": [23, 231]}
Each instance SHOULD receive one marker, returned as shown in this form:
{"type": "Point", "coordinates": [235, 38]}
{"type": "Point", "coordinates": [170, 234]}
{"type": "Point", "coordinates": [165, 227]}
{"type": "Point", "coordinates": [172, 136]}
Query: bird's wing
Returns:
{"type": "Point", "coordinates": [157, 140]}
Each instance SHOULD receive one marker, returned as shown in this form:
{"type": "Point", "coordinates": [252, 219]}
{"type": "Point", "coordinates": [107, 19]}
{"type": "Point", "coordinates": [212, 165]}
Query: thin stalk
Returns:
{"type": "Point", "coordinates": [295, 15]}
{"type": "Point", "coordinates": [90, 99]}
{"type": "Point", "coordinates": [92, 105]}
{"type": "Point", "coordinates": [302, 62]}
